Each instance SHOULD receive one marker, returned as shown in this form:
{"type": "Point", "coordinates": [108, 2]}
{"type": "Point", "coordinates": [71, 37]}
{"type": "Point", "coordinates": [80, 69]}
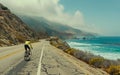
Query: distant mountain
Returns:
{"type": "Point", "coordinates": [42, 25]}
{"type": "Point", "coordinates": [12, 29]}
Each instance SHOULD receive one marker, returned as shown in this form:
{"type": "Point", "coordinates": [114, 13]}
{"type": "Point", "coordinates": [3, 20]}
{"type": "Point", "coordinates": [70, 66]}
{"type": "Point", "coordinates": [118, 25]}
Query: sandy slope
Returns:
{"type": "Point", "coordinates": [85, 68]}
{"type": "Point", "coordinates": [56, 62]}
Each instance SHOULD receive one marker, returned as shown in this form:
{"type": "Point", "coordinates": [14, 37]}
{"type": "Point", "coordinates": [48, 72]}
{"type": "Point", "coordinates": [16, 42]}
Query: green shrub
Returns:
{"type": "Point", "coordinates": [97, 62]}
{"type": "Point", "coordinates": [114, 70]}
{"type": "Point", "coordinates": [70, 51]}
{"type": "Point", "coordinates": [4, 8]}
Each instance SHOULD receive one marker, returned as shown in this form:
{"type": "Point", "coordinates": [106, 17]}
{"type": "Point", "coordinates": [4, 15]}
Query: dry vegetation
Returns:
{"type": "Point", "coordinates": [110, 66]}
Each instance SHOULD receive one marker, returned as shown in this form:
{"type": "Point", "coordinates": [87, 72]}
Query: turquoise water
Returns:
{"type": "Point", "coordinates": [108, 47]}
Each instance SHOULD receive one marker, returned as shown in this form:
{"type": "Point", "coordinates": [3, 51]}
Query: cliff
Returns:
{"type": "Point", "coordinates": [12, 29]}
{"type": "Point", "coordinates": [42, 25]}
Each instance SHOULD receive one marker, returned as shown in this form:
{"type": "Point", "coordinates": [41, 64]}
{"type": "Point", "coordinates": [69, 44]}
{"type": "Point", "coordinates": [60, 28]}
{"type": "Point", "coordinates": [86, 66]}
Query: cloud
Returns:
{"type": "Point", "coordinates": [50, 9]}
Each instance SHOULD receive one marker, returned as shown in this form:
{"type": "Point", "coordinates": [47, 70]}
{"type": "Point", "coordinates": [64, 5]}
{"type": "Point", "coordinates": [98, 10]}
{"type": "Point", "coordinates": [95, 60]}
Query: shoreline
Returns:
{"type": "Point", "coordinates": [108, 56]}
{"type": "Point", "coordinates": [96, 49]}
{"type": "Point", "coordinates": [110, 66]}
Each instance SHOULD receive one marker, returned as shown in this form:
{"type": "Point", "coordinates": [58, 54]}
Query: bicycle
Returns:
{"type": "Point", "coordinates": [27, 55]}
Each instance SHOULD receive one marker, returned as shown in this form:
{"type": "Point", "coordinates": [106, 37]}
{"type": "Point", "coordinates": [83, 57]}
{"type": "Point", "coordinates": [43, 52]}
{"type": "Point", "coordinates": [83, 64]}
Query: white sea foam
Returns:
{"type": "Point", "coordinates": [113, 56]}
{"type": "Point", "coordinates": [78, 44]}
{"type": "Point", "coordinates": [95, 49]}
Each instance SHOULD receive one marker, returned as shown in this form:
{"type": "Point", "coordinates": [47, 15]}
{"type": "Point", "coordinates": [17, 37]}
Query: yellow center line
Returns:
{"type": "Point", "coordinates": [10, 54]}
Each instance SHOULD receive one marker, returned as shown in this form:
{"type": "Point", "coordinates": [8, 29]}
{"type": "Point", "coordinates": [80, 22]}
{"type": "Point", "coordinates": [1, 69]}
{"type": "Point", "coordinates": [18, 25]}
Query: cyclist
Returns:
{"type": "Point", "coordinates": [28, 46]}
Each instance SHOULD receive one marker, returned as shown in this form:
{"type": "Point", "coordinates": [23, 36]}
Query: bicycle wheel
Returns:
{"type": "Point", "coordinates": [27, 56]}
{"type": "Point", "coordinates": [30, 52]}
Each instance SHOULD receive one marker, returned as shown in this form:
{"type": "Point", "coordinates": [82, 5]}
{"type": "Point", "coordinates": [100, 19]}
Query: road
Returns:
{"type": "Point", "coordinates": [12, 58]}
{"type": "Point", "coordinates": [45, 60]}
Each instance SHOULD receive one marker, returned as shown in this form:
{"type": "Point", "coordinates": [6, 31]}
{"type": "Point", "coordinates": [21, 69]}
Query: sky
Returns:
{"type": "Point", "coordinates": [98, 16]}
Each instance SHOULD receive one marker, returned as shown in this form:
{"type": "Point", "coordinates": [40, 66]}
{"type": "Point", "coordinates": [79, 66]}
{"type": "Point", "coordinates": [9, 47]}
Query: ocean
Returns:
{"type": "Point", "coordinates": [107, 47]}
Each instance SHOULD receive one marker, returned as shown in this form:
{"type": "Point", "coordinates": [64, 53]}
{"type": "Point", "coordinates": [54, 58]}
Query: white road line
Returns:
{"type": "Point", "coordinates": [40, 61]}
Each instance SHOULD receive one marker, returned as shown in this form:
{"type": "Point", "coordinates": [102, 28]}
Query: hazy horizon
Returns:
{"type": "Point", "coordinates": [93, 16]}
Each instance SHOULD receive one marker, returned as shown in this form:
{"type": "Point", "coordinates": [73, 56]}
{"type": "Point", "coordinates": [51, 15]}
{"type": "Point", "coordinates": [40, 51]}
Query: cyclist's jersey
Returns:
{"type": "Point", "coordinates": [28, 43]}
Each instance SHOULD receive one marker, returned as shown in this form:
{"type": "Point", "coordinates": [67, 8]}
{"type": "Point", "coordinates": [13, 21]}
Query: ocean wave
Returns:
{"type": "Point", "coordinates": [112, 56]}
{"type": "Point", "coordinates": [75, 43]}
{"type": "Point", "coordinates": [107, 47]}
{"type": "Point", "coordinates": [83, 44]}
{"type": "Point", "coordinates": [108, 52]}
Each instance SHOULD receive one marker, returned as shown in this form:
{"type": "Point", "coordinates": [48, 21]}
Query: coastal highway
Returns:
{"type": "Point", "coordinates": [12, 58]}
{"type": "Point", "coordinates": [45, 60]}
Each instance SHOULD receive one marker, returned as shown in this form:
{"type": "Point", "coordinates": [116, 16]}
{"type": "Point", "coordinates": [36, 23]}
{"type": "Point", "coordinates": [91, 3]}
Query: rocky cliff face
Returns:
{"type": "Point", "coordinates": [12, 29]}
{"type": "Point", "coordinates": [42, 25]}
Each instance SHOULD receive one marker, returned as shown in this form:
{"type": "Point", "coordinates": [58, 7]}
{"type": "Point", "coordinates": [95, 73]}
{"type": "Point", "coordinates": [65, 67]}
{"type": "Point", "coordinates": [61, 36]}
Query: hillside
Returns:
{"type": "Point", "coordinates": [12, 29]}
{"type": "Point", "coordinates": [42, 25]}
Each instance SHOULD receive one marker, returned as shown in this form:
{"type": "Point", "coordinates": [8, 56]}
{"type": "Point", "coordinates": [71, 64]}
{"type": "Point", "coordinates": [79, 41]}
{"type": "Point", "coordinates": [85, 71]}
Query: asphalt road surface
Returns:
{"type": "Point", "coordinates": [45, 60]}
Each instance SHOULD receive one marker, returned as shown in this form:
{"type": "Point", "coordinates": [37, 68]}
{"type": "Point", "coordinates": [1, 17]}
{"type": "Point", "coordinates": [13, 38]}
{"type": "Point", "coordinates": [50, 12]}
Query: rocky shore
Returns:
{"type": "Point", "coordinates": [110, 66]}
